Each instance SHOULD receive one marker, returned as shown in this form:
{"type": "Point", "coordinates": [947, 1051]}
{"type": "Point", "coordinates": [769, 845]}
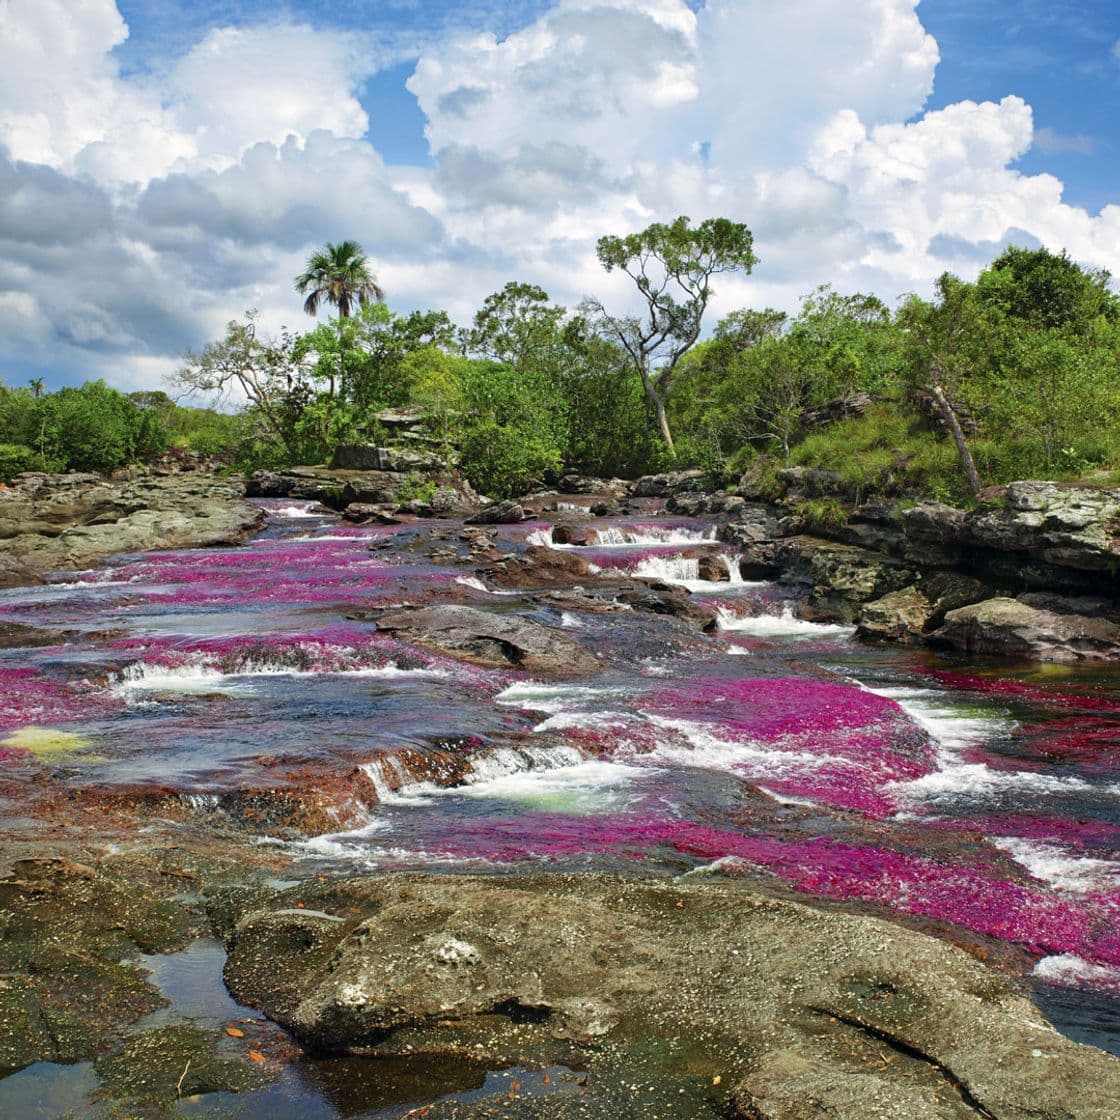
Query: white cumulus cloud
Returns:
{"type": "Point", "coordinates": [139, 212]}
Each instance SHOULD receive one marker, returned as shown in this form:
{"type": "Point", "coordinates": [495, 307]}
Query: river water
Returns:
{"type": "Point", "coordinates": [979, 800]}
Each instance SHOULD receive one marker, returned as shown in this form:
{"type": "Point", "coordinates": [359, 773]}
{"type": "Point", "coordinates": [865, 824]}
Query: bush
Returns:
{"type": "Point", "coordinates": [504, 462]}
{"type": "Point", "coordinates": [15, 458]}
{"type": "Point", "coordinates": [821, 513]}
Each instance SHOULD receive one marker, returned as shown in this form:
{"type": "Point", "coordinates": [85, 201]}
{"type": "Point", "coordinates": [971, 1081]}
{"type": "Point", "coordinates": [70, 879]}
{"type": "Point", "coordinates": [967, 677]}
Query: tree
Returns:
{"type": "Point", "coordinates": [672, 266]}
{"type": "Point", "coordinates": [937, 334]}
{"type": "Point", "coordinates": [342, 275]}
{"type": "Point", "coordinates": [517, 325]}
{"type": "Point", "coordinates": [268, 373]}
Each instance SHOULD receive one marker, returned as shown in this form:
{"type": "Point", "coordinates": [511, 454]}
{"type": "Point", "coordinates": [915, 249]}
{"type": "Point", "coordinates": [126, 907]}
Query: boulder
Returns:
{"type": "Point", "coordinates": [573, 534]}
{"type": "Point", "coordinates": [1013, 628]}
{"type": "Point", "coordinates": [601, 487]}
{"type": "Point", "coordinates": [899, 616]}
{"type": "Point", "coordinates": [537, 567]}
{"type": "Point", "coordinates": [750, 523]}
{"type": "Point", "coordinates": [502, 641]}
{"type": "Point", "coordinates": [507, 512]}
{"type": "Point", "coordinates": [837, 579]}
{"type": "Point", "coordinates": [675, 482]}
{"type": "Point", "coordinates": [715, 999]}
{"type": "Point", "coordinates": [367, 457]}
{"type": "Point", "coordinates": [366, 513]}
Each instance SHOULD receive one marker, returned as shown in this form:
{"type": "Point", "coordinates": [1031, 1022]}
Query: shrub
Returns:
{"type": "Point", "coordinates": [15, 458]}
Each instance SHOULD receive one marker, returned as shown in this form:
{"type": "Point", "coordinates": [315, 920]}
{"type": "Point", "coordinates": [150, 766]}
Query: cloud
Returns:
{"type": "Point", "coordinates": [1048, 141]}
{"type": "Point", "coordinates": [140, 211]}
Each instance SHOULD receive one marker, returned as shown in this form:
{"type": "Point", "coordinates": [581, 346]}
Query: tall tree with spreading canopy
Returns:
{"type": "Point", "coordinates": [672, 265]}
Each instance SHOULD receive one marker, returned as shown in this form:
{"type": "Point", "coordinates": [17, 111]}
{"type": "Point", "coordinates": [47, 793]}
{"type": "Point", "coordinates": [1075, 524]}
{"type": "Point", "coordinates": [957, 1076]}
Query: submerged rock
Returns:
{"type": "Point", "coordinates": [482, 638]}
{"type": "Point", "coordinates": [798, 1012]}
{"type": "Point", "coordinates": [68, 931]}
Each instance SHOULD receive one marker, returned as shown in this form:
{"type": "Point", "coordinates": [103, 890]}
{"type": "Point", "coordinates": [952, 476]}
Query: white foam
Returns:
{"type": "Point", "coordinates": [784, 625]}
{"type": "Point", "coordinates": [474, 583]}
{"type": "Point", "coordinates": [553, 698]}
{"type": "Point", "coordinates": [1061, 869]}
{"type": "Point", "coordinates": [708, 751]}
{"type": "Point", "coordinates": [571, 621]}
{"type": "Point", "coordinates": [297, 511]}
{"type": "Point", "coordinates": [613, 536]}
{"type": "Point", "coordinates": [559, 778]}
{"type": "Point", "coordinates": [1070, 969]}
{"type": "Point", "coordinates": [572, 507]}
{"type": "Point", "coordinates": [200, 678]}
{"type": "Point", "coordinates": [975, 779]}
{"type": "Point", "coordinates": [953, 727]}
{"type": "Point", "coordinates": [685, 572]}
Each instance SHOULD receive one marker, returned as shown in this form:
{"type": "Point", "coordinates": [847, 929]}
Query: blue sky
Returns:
{"type": "Point", "coordinates": [1057, 54]}
{"type": "Point", "coordinates": [165, 164]}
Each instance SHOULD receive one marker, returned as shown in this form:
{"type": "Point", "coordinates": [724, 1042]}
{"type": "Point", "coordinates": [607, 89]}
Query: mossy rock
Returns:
{"type": "Point", "coordinates": [158, 1067]}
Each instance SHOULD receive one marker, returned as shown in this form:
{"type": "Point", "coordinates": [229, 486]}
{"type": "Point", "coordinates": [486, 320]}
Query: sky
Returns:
{"type": "Point", "coordinates": [167, 164]}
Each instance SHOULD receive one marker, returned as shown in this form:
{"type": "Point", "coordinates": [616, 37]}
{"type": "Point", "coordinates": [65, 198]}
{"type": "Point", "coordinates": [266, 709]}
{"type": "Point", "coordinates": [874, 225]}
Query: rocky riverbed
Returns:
{"type": "Point", "coordinates": [592, 807]}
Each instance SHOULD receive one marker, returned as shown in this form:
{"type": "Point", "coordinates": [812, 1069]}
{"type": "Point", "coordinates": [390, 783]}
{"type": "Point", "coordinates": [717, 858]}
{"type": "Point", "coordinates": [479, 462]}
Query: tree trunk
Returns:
{"type": "Point", "coordinates": [663, 424]}
{"type": "Point", "coordinates": [954, 426]}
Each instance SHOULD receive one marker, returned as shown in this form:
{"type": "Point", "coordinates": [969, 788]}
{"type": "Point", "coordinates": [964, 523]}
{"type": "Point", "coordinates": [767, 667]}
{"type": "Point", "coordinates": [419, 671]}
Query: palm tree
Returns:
{"type": "Point", "coordinates": [342, 274]}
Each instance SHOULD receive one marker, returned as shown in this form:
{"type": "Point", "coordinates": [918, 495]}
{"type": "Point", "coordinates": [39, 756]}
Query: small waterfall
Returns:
{"type": "Point", "coordinates": [503, 761]}
{"type": "Point", "coordinates": [541, 538]}
{"type": "Point", "coordinates": [672, 569]}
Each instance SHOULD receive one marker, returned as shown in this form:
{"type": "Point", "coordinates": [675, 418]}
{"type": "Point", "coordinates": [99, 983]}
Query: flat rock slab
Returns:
{"type": "Point", "coordinates": [714, 999]}
{"type": "Point", "coordinates": [1011, 627]}
{"type": "Point", "coordinates": [500, 641]}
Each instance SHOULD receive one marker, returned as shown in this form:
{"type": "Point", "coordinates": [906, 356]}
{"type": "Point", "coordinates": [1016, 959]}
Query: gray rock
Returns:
{"type": "Point", "coordinates": [1011, 628]}
{"type": "Point", "coordinates": [675, 482]}
{"type": "Point", "coordinates": [837, 578]}
{"type": "Point", "coordinates": [801, 1013]}
{"type": "Point", "coordinates": [66, 522]}
{"type": "Point", "coordinates": [507, 512]}
{"type": "Point", "coordinates": [899, 616]}
{"type": "Point", "coordinates": [482, 638]}
{"type": "Point", "coordinates": [367, 457]}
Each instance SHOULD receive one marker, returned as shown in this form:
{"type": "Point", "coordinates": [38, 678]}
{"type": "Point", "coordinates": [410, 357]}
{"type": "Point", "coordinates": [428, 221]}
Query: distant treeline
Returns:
{"type": "Point", "coordinates": [1015, 375]}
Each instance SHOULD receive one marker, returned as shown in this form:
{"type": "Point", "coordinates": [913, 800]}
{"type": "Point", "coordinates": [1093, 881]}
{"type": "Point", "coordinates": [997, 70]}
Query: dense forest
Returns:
{"type": "Point", "coordinates": [1015, 375]}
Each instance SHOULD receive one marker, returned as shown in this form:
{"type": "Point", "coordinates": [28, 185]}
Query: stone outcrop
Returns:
{"type": "Point", "coordinates": [337, 489]}
{"type": "Point", "coordinates": [506, 512]}
{"type": "Point", "coordinates": [726, 1001]}
{"type": "Point", "coordinates": [72, 521]}
{"type": "Point", "coordinates": [1058, 631]}
{"type": "Point", "coordinates": [833, 580]}
{"type": "Point", "coordinates": [1042, 534]}
{"type": "Point", "coordinates": [482, 638]}
{"type": "Point", "coordinates": [367, 457]}
{"type": "Point", "coordinates": [675, 482]}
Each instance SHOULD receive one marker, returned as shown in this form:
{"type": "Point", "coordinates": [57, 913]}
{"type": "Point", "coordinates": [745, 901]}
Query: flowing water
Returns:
{"type": "Point", "coordinates": [979, 800]}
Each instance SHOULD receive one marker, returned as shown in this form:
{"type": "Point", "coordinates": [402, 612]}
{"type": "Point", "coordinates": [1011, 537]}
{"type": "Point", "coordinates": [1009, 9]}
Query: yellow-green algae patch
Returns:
{"type": "Point", "coordinates": [49, 743]}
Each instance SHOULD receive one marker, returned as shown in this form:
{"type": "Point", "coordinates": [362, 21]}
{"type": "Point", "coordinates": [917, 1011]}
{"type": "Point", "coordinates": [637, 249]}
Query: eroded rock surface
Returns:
{"type": "Point", "coordinates": [778, 1009]}
{"type": "Point", "coordinates": [65, 522]}
{"type": "Point", "coordinates": [483, 638]}
{"type": "Point", "coordinates": [1015, 627]}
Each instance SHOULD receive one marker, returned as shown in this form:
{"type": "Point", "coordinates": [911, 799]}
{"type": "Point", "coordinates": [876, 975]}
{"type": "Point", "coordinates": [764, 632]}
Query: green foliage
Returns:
{"type": "Point", "coordinates": [341, 275]}
{"type": "Point", "coordinates": [415, 488]}
{"type": "Point", "coordinates": [90, 428]}
{"type": "Point", "coordinates": [821, 514]}
{"type": "Point", "coordinates": [504, 462]}
{"type": "Point", "coordinates": [672, 266]}
{"type": "Point", "coordinates": [15, 458]}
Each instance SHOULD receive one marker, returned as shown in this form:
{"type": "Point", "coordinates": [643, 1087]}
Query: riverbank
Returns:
{"type": "Point", "coordinates": [382, 764]}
